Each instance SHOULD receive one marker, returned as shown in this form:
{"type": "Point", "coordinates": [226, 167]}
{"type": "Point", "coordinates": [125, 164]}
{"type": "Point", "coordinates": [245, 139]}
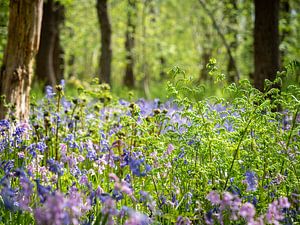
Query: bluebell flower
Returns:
{"type": "Point", "coordinates": [143, 196]}
{"type": "Point", "coordinates": [75, 171]}
{"type": "Point", "coordinates": [31, 149]}
{"type": "Point", "coordinates": [66, 104]}
{"type": "Point", "coordinates": [62, 83]}
{"type": "Point", "coordinates": [125, 158]}
{"type": "Point", "coordinates": [104, 197]}
{"type": "Point", "coordinates": [40, 146]}
{"type": "Point", "coordinates": [91, 155]}
{"type": "Point", "coordinates": [183, 221]}
{"type": "Point", "coordinates": [4, 126]}
{"type": "Point", "coordinates": [128, 178]}
{"type": "Point", "coordinates": [174, 199]}
{"type": "Point", "coordinates": [49, 92]}
{"type": "Point", "coordinates": [55, 167]}
{"type": "Point", "coordinates": [19, 131]}
{"type": "Point", "coordinates": [43, 191]}
{"type": "Point", "coordinates": [163, 201]}
{"type": "Point", "coordinates": [117, 195]}
{"type": "Point", "coordinates": [135, 167]}
{"type": "Point", "coordinates": [9, 198]}
{"type": "Point", "coordinates": [251, 181]}
{"type": "Point", "coordinates": [3, 144]}
{"type": "Point", "coordinates": [234, 190]}
{"type": "Point", "coordinates": [8, 166]}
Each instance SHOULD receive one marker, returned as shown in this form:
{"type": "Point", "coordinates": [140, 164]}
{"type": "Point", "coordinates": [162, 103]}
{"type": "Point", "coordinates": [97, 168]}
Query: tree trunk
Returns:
{"type": "Point", "coordinates": [205, 57]}
{"type": "Point", "coordinates": [58, 52]}
{"type": "Point", "coordinates": [58, 59]}
{"type": "Point", "coordinates": [222, 36]}
{"type": "Point", "coordinates": [49, 60]}
{"type": "Point", "coordinates": [266, 41]}
{"type": "Point", "coordinates": [106, 52]}
{"type": "Point", "coordinates": [129, 80]}
{"type": "Point", "coordinates": [285, 15]}
{"type": "Point", "coordinates": [25, 17]}
{"type": "Point", "coordinates": [44, 60]}
{"type": "Point", "coordinates": [232, 17]}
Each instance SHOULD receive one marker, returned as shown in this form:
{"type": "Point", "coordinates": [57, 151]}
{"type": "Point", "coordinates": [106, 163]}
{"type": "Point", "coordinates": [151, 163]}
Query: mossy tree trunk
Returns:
{"type": "Point", "coordinates": [24, 28]}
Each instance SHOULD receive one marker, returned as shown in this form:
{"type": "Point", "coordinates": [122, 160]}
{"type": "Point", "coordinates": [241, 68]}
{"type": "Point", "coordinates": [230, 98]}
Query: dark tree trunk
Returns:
{"type": "Point", "coordinates": [58, 52]}
{"type": "Point", "coordinates": [49, 60]}
{"type": "Point", "coordinates": [231, 12]}
{"type": "Point", "coordinates": [58, 59]}
{"type": "Point", "coordinates": [266, 41]}
{"type": "Point", "coordinates": [106, 52]}
{"type": "Point", "coordinates": [44, 59]}
{"type": "Point", "coordinates": [24, 28]}
{"type": "Point", "coordinates": [129, 79]}
{"type": "Point", "coordinates": [206, 55]}
{"type": "Point", "coordinates": [162, 61]}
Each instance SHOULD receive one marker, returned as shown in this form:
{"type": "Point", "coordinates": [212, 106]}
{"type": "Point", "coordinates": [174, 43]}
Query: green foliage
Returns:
{"type": "Point", "coordinates": [154, 158]}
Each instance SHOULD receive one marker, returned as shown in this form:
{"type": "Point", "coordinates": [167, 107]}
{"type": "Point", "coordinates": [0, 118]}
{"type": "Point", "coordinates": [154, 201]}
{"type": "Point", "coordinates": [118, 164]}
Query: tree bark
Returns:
{"type": "Point", "coordinates": [24, 28]}
{"type": "Point", "coordinates": [129, 79]}
{"type": "Point", "coordinates": [49, 60]}
{"type": "Point", "coordinates": [106, 51]}
{"type": "Point", "coordinates": [266, 41]}
{"type": "Point", "coordinates": [58, 59]}
{"type": "Point", "coordinates": [44, 59]}
{"type": "Point", "coordinates": [58, 52]}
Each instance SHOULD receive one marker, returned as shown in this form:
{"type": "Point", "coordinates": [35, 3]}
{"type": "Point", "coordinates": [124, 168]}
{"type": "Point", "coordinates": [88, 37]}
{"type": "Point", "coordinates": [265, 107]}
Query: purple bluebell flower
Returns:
{"type": "Point", "coordinates": [183, 221]}
{"type": "Point", "coordinates": [137, 218]}
{"type": "Point", "coordinates": [26, 193]}
{"type": "Point", "coordinates": [8, 196]}
{"type": "Point", "coordinates": [135, 167]}
{"type": "Point", "coordinates": [52, 213]}
{"type": "Point", "coordinates": [109, 210]}
{"type": "Point", "coordinates": [284, 202]}
{"type": "Point", "coordinates": [43, 192]}
{"type": "Point", "coordinates": [247, 211]}
{"type": "Point", "coordinates": [49, 92]}
{"type": "Point", "coordinates": [4, 144]}
{"type": "Point", "coordinates": [251, 181]}
{"type": "Point", "coordinates": [55, 167]}
{"type": "Point", "coordinates": [8, 166]}
{"type": "Point", "coordinates": [4, 126]}
{"type": "Point", "coordinates": [169, 149]}
{"type": "Point", "coordinates": [214, 197]}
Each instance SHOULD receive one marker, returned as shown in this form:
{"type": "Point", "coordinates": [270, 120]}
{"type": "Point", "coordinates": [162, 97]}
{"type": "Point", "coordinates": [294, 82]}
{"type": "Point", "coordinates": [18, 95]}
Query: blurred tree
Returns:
{"type": "Point", "coordinates": [49, 62]}
{"type": "Point", "coordinates": [24, 28]}
{"type": "Point", "coordinates": [145, 64]}
{"type": "Point", "coordinates": [232, 62]}
{"type": "Point", "coordinates": [3, 25]}
{"type": "Point", "coordinates": [106, 51]}
{"type": "Point", "coordinates": [266, 41]}
{"type": "Point", "coordinates": [58, 52]}
{"type": "Point", "coordinates": [230, 11]}
{"type": "Point", "coordinates": [129, 78]}
{"type": "Point", "coordinates": [285, 31]}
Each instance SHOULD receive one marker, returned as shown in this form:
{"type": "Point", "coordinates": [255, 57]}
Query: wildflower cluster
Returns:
{"type": "Point", "coordinates": [96, 159]}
